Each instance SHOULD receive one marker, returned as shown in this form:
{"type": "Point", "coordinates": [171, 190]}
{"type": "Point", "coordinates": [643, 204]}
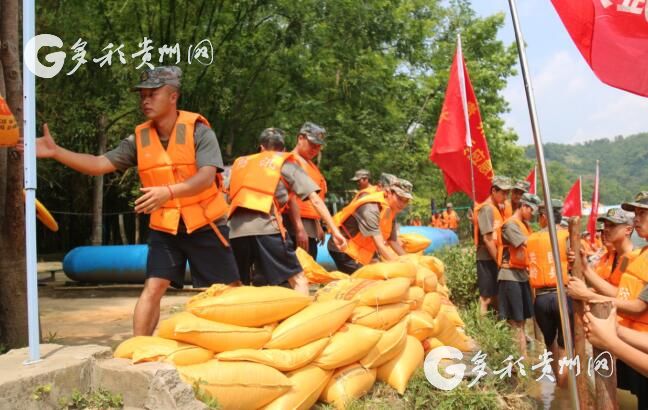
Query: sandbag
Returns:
{"type": "Point", "coordinates": [307, 385]}
{"type": "Point", "coordinates": [367, 292]}
{"type": "Point", "coordinates": [347, 384]}
{"type": "Point", "coordinates": [443, 290]}
{"type": "Point", "coordinates": [414, 242]}
{"type": "Point", "coordinates": [283, 360]}
{"type": "Point", "coordinates": [398, 370]}
{"type": "Point", "coordinates": [320, 319]}
{"type": "Point", "coordinates": [414, 297]}
{"type": "Point", "coordinates": [431, 343]}
{"type": "Point", "coordinates": [388, 270]}
{"type": "Point", "coordinates": [379, 317]}
{"type": "Point", "coordinates": [315, 273]}
{"type": "Point", "coordinates": [247, 305]}
{"type": "Point", "coordinates": [348, 345]}
{"type": "Point", "coordinates": [217, 337]}
{"type": "Point", "coordinates": [421, 325]}
{"type": "Point", "coordinates": [451, 313]}
{"type": "Point", "coordinates": [426, 279]}
{"type": "Point", "coordinates": [451, 335]}
{"type": "Point", "coordinates": [432, 303]}
{"type": "Point", "coordinates": [156, 349]}
{"type": "Point", "coordinates": [390, 344]}
{"type": "Point", "coordinates": [434, 264]}
{"type": "Point", "coordinates": [237, 385]}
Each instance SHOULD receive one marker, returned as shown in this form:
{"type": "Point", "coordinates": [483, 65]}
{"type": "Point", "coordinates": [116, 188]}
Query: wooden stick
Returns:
{"type": "Point", "coordinates": [582, 381]}
{"type": "Point", "coordinates": [606, 387]}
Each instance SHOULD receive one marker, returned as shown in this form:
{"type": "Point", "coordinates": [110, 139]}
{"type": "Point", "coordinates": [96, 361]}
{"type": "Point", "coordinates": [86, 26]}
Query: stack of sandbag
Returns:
{"type": "Point", "coordinates": [414, 242]}
{"type": "Point", "coordinates": [273, 348]}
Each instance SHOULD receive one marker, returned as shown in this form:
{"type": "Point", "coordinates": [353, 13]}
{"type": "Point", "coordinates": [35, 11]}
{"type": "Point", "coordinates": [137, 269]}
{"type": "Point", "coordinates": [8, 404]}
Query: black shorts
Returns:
{"type": "Point", "coordinates": [272, 257]}
{"type": "Point", "coordinates": [209, 260]}
{"type": "Point", "coordinates": [514, 299]}
{"type": "Point", "coordinates": [312, 246]}
{"type": "Point", "coordinates": [630, 379]}
{"type": "Point", "coordinates": [487, 278]}
{"type": "Point", "coordinates": [344, 262]}
{"type": "Point", "coordinates": [547, 315]}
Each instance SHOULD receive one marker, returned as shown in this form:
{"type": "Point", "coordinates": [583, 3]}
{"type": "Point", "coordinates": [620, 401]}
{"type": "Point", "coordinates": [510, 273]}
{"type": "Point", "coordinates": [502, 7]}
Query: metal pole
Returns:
{"type": "Point", "coordinates": [464, 104]}
{"type": "Point", "coordinates": [29, 136]}
{"type": "Point", "coordinates": [562, 297]}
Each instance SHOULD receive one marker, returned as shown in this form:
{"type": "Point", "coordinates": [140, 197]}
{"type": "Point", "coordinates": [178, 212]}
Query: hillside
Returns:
{"type": "Point", "coordinates": [623, 166]}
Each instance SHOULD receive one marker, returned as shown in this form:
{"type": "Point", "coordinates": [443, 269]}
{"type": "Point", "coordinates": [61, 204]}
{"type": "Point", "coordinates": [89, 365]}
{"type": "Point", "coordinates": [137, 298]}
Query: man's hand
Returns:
{"type": "Point", "coordinates": [320, 233]}
{"type": "Point", "coordinates": [45, 145]}
{"type": "Point", "coordinates": [153, 198]}
{"type": "Point", "coordinates": [339, 239]}
{"type": "Point", "coordinates": [302, 239]}
{"type": "Point", "coordinates": [577, 289]}
{"type": "Point", "coordinates": [601, 332]}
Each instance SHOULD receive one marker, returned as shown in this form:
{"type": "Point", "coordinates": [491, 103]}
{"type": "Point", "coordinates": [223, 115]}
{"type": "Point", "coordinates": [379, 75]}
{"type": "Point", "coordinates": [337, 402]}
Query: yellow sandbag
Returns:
{"type": "Point", "coordinates": [443, 290]}
{"type": "Point", "coordinates": [237, 385]}
{"type": "Point", "coordinates": [421, 325]}
{"type": "Point", "coordinates": [247, 305]}
{"type": "Point", "coordinates": [348, 345]}
{"type": "Point", "coordinates": [398, 370]}
{"type": "Point", "coordinates": [156, 349]}
{"type": "Point", "coordinates": [414, 297]}
{"type": "Point", "coordinates": [432, 303]}
{"type": "Point", "coordinates": [366, 291]}
{"type": "Point", "coordinates": [452, 314]}
{"type": "Point", "coordinates": [431, 343]}
{"type": "Point", "coordinates": [320, 319]}
{"type": "Point", "coordinates": [315, 273]}
{"type": "Point", "coordinates": [387, 270]}
{"type": "Point", "coordinates": [414, 242]}
{"type": "Point", "coordinates": [379, 317]}
{"type": "Point", "coordinates": [426, 279]}
{"type": "Point", "coordinates": [434, 264]}
{"type": "Point", "coordinates": [283, 360]}
{"type": "Point", "coordinates": [441, 324]}
{"type": "Point", "coordinates": [455, 337]}
{"type": "Point", "coordinates": [347, 384]}
{"type": "Point", "coordinates": [390, 344]}
{"type": "Point", "coordinates": [217, 337]}
{"type": "Point", "coordinates": [307, 385]}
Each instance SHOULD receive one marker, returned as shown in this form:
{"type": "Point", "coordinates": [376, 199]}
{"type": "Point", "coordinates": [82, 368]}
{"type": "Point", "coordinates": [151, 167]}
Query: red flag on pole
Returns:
{"type": "Point", "coordinates": [591, 223]}
{"type": "Point", "coordinates": [612, 36]}
{"type": "Point", "coordinates": [460, 136]}
{"type": "Point", "coordinates": [531, 179]}
{"type": "Point", "coordinates": [573, 205]}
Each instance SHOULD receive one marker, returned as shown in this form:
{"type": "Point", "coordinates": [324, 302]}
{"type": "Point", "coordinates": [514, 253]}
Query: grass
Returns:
{"type": "Point", "coordinates": [203, 396]}
{"type": "Point", "coordinates": [94, 399]}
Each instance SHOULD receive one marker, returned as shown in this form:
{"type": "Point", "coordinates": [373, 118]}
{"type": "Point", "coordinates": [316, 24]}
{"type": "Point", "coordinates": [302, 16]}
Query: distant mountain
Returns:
{"type": "Point", "coordinates": [623, 167]}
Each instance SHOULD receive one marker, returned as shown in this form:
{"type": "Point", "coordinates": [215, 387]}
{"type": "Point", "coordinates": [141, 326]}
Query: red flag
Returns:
{"type": "Point", "coordinates": [612, 36]}
{"type": "Point", "coordinates": [573, 205]}
{"type": "Point", "coordinates": [459, 135]}
{"type": "Point", "coordinates": [591, 223]}
{"type": "Point", "coordinates": [531, 179]}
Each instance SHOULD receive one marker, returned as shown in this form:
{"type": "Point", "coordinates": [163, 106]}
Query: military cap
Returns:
{"type": "Point", "coordinates": [640, 201]}
{"type": "Point", "coordinates": [522, 186]}
{"type": "Point", "coordinates": [402, 188]}
{"type": "Point", "coordinates": [617, 216]}
{"type": "Point", "coordinates": [503, 183]}
{"type": "Point", "coordinates": [160, 76]}
{"type": "Point", "coordinates": [361, 173]}
{"type": "Point", "coordinates": [313, 132]}
{"type": "Point", "coordinates": [531, 200]}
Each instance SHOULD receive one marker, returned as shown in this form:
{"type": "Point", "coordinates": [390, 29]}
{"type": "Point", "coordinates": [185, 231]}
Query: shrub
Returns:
{"type": "Point", "coordinates": [461, 273]}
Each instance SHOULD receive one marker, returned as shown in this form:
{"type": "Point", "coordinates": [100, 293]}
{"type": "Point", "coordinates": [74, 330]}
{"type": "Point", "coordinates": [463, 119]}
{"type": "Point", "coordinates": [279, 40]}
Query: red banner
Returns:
{"type": "Point", "coordinates": [531, 179]}
{"type": "Point", "coordinates": [460, 136]}
{"type": "Point", "coordinates": [573, 205]}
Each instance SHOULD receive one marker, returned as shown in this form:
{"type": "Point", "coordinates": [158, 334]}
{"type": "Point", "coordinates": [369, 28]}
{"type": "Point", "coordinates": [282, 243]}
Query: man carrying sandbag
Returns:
{"type": "Point", "coordinates": [179, 163]}
{"type": "Point", "coordinates": [260, 189]}
{"type": "Point", "coordinates": [369, 223]}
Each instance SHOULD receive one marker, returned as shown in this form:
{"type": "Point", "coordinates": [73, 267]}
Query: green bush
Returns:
{"type": "Point", "coordinates": [461, 273]}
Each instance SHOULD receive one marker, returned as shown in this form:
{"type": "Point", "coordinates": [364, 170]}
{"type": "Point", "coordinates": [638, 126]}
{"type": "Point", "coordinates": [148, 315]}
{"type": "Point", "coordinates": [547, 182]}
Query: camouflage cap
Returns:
{"type": "Point", "coordinates": [361, 173]}
{"type": "Point", "coordinates": [503, 183]}
{"type": "Point", "coordinates": [555, 204]}
{"type": "Point", "coordinates": [402, 188]}
{"type": "Point", "coordinates": [640, 201]}
{"type": "Point", "coordinates": [387, 179]}
{"type": "Point", "coordinates": [314, 133]}
{"type": "Point", "coordinates": [158, 77]}
{"type": "Point", "coordinates": [617, 216]}
{"type": "Point", "coordinates": [449, 205]}
{"type": "Point", "coordinates": [522, 186]}
{"type": "Point", "coordinates": [531, 200]}
{"type": "Point", "coordinates": [273, 138]}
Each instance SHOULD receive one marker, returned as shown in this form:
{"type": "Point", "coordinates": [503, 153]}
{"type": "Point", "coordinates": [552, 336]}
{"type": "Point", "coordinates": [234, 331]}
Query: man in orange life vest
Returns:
{"type": "Point", "coordinates": [542, 278]}
{"type": "Point", "coordinates": [437, 221]}
{"type": "Point", "coordinates": [450, 217]}
{"type": "Point", "coordinates": [369, 223]}
{"type": "Point", "coordinates": [307, 231]}
{"type": "Point", "coordinates": [514, 293]}
{"type": "Point", "coordinates": [260, 188]}
{"type": "Point", "coordinates": [362, 177]}
{"type": "Point", "coordinates": [178, 160]}
{"type": "Point", "coordinates": [510, 205]}
{"type": "Point", "coordinates": [487, 223]}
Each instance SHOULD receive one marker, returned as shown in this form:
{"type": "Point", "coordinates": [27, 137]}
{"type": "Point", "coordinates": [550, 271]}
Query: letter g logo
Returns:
{"type": "Point", "coordinates": [31, 52]}
{"type": "Point", "coordinates": [431, 368]}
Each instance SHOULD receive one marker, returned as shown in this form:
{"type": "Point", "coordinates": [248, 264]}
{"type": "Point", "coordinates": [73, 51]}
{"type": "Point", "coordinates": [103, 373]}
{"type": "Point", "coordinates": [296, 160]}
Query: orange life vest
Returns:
{"type": "Point", "coordinates": [362, 248]}
{"type": "Point", "coordinates": [508, 209]}
{"type": "Point", "coordinates": [518, 257]}
{"type": "Point", "coordinates": [604, 267]}
{"type": "Point", "coordinates": [498, 221]}
{"type": "Point", "coordinates": [306, 208]}
{"type": "Point", "coordinates": [159, 167]}
{"type": "Point", "coordinates": [542, 270]}
{"type": "Point", "coordinates": [437, 222]}
{"type": "Point", "coordinates": [368, 190]}
{"type": "Point", "coordinates": [633, 280]}
{"type": "Point", "coordinates": [253, 182]}
{"type": "Point", "coordinates": [450, 219]}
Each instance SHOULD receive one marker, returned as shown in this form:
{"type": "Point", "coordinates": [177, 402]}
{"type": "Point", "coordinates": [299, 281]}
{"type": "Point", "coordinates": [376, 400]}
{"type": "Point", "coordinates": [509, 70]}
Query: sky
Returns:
{"type": "Point", "coordinates": [573, 105]}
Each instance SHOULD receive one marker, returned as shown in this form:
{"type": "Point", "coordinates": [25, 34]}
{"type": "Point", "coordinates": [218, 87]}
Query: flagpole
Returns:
{"type": "Point", "coordinates": [464, 103]}
{"type": "Point", "coordinates": [562, 297]}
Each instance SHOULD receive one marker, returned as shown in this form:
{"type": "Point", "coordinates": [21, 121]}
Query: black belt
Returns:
{"type": "Point", "coordinates": [543, 291]}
